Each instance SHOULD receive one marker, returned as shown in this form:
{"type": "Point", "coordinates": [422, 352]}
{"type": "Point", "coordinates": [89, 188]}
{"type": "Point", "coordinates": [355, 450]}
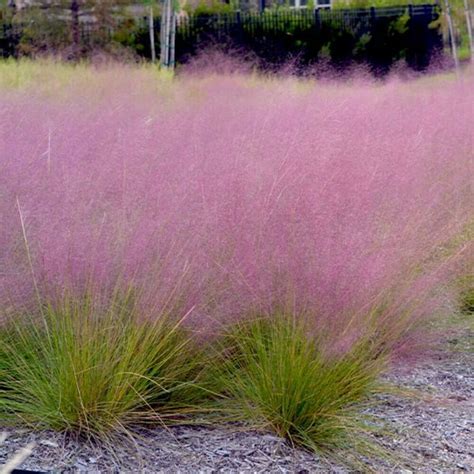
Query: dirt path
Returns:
{"type": "Point", "coordinates": [435, 432]}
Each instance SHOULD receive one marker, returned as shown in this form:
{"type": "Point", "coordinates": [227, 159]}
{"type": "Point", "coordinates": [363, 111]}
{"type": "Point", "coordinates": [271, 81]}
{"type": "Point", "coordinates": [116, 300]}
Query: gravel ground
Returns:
{"type": "Point", "coordinates": [432, 432]}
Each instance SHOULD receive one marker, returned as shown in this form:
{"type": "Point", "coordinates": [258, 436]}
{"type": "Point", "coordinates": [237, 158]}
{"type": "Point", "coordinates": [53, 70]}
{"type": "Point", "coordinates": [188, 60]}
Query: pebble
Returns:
{"type": "Point", "coordinates": [47, 442]}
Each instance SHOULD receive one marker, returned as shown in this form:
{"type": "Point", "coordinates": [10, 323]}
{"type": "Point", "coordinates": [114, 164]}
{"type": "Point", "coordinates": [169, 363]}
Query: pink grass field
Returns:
{"type": "Point", "coordinates": [228, 196]}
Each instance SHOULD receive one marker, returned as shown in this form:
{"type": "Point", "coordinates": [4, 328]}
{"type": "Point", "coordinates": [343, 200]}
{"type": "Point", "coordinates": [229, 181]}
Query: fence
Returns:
{"type": "Point", "coordinates": [378, 36]}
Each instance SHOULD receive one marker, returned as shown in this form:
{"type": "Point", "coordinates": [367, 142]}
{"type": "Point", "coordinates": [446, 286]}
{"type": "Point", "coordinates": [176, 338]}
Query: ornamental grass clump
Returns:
{"type": "Point", "coordinates": [275, 376]}
{"type": "Point", "coordinates": [94, 370]}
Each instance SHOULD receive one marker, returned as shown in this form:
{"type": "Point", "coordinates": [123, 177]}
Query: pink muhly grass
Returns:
{"type": "Point", "coordinates": [234, 196]}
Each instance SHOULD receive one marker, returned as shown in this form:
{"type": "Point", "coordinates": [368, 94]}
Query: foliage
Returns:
{"type": "Point", "coordinates": [457, 12]}
{"type": "Point", "coordinates": [210, 7]}
{"type": "Point", "coordinates": [71, 30]}
{"type": "Point", "coordinates": [41, 33]}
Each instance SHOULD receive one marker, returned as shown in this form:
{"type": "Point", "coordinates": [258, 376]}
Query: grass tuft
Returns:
{"type": "Point", "coordinates": [96, 371]}
{"type": "Point", "coordinates": [278, 376]}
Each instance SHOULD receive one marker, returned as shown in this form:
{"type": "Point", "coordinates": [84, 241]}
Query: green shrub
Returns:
{"type": "Point", "coordinates": [41, 33]}
{"type": "Point", "coordinates": [211, 7]}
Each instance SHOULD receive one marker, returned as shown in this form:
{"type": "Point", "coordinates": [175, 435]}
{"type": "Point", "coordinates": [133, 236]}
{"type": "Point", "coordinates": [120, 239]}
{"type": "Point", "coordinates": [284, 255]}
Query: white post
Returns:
{"type": "Point", "coordinates": [469, 29]}
{"type": "Point", "coordinates": [151, 29]}
{"type": "Point", "coordinates": [164, 34]}
{"type": "Point", "coordinates": [451, 34]}
{"type": "Point", "coordinates": [167, 34]}
{"type": "Point", "coordinates": [172, 39]}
